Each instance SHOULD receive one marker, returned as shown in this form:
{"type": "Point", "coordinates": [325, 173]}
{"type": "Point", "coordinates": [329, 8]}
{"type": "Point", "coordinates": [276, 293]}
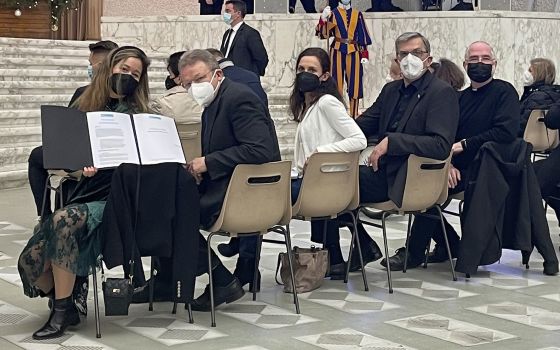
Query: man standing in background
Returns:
{"type": "Point", "coordinates": [242, 44]}
{"type": "Point", "coordinates": [211, 7]}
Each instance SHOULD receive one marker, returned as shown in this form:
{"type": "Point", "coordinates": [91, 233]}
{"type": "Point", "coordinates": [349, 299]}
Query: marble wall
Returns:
{"type": "Point", "coordinates": [191, 7]}
{"type": "Point", "coordinates": [517, 37]}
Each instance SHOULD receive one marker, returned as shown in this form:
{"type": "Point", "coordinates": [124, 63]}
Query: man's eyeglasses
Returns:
{"type": "Point", "coordinates": [483, 59]}
{"type": "Point", "coordinates": [418, 53]}
{"type": "Point", "coordinates": [187, 84]}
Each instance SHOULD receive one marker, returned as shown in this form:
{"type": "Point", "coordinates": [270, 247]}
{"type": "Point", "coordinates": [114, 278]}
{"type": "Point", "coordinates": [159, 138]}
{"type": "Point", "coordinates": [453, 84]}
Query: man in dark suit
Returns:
{"type": "Point", "coordinates": [416, 115]}
{"type": "Point", "coordinates": [242, 44]}
{"type": "Point", "coordinates": [240, 75]}
{"type": "Point", "coordinates": [236, 129]}
{"type": "Point", "coordinates": [211, 7]}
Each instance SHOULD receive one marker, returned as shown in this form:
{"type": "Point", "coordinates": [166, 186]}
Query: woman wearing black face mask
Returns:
{"type": "Point", "coordinates": [120, 85]}
{"type": "Point", "coordinates": [176, 102]}
{"type": "Point", "coordinates": [323, 126]}
{"type": "Point", "coordinates": [67, 243]}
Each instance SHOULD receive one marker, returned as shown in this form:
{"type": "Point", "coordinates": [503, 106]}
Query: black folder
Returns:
{"type": "Point", "coordinates": [65, 135]}
{"type": "Point", "coordinates": [67, 142]}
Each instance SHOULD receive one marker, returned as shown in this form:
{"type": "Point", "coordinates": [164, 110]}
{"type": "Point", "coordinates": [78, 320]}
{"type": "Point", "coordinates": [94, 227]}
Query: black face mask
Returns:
{"type": "Point", "coordinates": [307, 82]}
{"type": "Point", "coordinates": [123, 84]}
{"type": "Point", "coordinates": [479, 72]}
{"type": "Point", "coordinates": [170, 83]}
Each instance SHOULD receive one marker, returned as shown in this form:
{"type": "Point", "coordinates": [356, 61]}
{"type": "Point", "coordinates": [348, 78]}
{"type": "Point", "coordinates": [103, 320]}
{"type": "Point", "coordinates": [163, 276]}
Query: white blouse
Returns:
{"type": "Point", "coordinates": [326, 127]}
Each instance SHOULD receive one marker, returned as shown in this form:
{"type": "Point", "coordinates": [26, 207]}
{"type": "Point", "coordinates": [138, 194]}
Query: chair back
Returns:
{"type": "Point", "coordinates": [426, 183]}
{"type": "Point", "coordinates": [538, 135]}
{"type": "Point", "coordinates": [330, 185]}
{"type": "Point", "coordinates": [257, 198]}
{"type": "Point", "coordinates": [189, 134]}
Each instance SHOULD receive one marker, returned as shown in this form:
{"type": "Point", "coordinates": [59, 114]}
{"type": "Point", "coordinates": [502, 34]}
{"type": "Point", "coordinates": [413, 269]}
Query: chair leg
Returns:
{"type": "Point", "coordinates": [288, 241]}
{"type": "Point", "coordinates": [350, 251]}
{"type": "Point", "coordinates": [325, 234]}
{"type": "Point", "coordinates": [357, 240]}
{"type": "Point", "coordinates": [425, 265]}
{"type": "Point", "coordinates": [256, 271]}
{"type": "Point", "coordinates": [60, 193]}
{"type": "Point", "coordinates": [189, 310]}
{"type": "Point", "coordinates": [447, 243]}
{"type": "Point", "coordinates": [389, 280]}
{"type": "Point", "coordinates": [96, 304]}
{"type": "Point", "coordinates": [45, 191]}
{"type": "Point", "coordinates": [151, 286]}
{"type": "Point", "coordinates": [211, 283]}
{"type": "Point", "coordinates": [406, 243]}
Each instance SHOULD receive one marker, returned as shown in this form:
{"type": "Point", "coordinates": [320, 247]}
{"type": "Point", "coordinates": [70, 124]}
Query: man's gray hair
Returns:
{"type": "Point", "coordinates": [191, 57]}
{"type": "Point", "coordinates": [405, 37]}
{"type": "Point", "coordinates": [468, 50]}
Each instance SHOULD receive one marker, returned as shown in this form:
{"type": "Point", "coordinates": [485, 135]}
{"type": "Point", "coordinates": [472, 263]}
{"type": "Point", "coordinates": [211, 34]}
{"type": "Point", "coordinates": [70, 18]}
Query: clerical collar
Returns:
{"type": "Point", "coordinates": [346, 7]}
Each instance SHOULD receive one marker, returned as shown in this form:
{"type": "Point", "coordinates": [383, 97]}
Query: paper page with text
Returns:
{"type": "Point", "coordinates": [112, 139]}
{"type": "Point", "coordinates": [158, 139]}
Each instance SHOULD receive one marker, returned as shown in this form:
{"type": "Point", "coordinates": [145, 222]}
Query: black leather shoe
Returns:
{"type": "Point", "coordinates": [337, 271]}
{"type": "Point", "coordinates": [439, 255]}
{"type": "Point", "coordinates": [227, 294]}
{"type": "Point", "coordinates": [162, 292]}
{"type": "Point", "coordinates": [244, 272]}
{"type": "Point", "coordinates": [397, 261]}
{"type": "Point", "coordinates": [550, 268]}
{"type": "Point", "coordinates": [63, 314]}
{"type": "Point", "coordinates": [229, 249]}
{"type": "Point", "coordinates": [370, 253]}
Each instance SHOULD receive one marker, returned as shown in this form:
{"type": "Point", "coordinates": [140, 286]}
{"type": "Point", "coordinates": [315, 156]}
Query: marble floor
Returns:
{"type": "Point", "coordinates": [504, 306]}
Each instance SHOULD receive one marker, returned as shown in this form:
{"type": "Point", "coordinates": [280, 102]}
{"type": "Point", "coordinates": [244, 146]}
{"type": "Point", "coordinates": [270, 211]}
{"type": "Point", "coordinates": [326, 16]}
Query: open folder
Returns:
{"type": "Point", "coordinates": [73, 139]}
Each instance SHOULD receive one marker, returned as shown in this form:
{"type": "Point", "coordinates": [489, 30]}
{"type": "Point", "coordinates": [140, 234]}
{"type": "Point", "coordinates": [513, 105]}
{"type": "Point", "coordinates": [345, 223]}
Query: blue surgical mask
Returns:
{"type": "Point", "coordinates": [345, 2]}
{"type": "Point", "coordinates": [227, 18]}
{"type": "Point", "coordinates": [90, 71]}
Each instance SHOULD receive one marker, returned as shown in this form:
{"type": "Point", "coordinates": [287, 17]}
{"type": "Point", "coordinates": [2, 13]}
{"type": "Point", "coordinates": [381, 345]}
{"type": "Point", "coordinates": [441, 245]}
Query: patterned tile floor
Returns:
{"type": "Point", "coordinates": [504, 306]}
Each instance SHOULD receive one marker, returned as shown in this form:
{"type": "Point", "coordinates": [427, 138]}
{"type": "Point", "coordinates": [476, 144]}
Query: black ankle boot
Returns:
{"type": "Point", "coordinates": [63, 314]}
{"type": "Point", "coordinates": [244, 272]}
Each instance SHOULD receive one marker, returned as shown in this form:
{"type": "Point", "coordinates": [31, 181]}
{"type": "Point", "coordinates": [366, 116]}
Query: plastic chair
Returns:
{"type": "Point", "coordinates": [189, 134]}
{"type": "Point", "coordinates": [330, 188]}
{"type": "Point", "coordinates": [538, 135]}
{"type": "Point", "coordinates": [425, 188]}
{"type": "Point", "coordinates": [257, 201]}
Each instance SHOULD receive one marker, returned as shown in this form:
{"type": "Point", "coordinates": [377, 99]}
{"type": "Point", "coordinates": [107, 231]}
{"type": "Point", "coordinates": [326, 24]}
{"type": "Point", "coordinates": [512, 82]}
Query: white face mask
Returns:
{"type": "Point", "coordinates": [203, 93]}
{"type": "Point", "coordinates": [528, 78]}
{"type": "Point", "coordinates": [412, 67]}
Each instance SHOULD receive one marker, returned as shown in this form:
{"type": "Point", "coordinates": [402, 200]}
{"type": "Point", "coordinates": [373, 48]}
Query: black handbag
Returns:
{"type": "Point", "coordinates": [117, 292]}
{"type": "Point", "coordinates": [117, 295]}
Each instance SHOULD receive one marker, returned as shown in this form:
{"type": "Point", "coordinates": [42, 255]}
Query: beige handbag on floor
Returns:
{"type": "Point", "coordinates": [310, 266]}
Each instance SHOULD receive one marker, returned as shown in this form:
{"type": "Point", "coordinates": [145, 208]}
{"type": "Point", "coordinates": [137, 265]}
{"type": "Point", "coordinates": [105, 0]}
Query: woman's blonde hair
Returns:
{"type": "Point", "coordinates": [543, 70]}
{"type": "Point", "coordinates": [97, 94]}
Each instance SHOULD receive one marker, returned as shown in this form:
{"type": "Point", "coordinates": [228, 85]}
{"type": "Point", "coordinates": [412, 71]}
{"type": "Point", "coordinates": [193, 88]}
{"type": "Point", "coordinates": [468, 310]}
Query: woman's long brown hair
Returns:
{"type": "Point", "coordinates": [97, 94]}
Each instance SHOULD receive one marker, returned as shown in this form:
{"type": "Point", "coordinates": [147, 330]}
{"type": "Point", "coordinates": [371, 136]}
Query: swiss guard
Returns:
{"type": "Point", "coordinates": [348, 50]}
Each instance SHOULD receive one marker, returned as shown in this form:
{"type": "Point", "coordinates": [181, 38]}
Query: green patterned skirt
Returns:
{"type": "Point", "coordinates": [69, 239]}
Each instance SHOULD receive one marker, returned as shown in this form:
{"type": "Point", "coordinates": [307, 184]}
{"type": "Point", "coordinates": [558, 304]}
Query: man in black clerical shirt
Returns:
{"type": "Point", "coordinates": [489, 111]}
